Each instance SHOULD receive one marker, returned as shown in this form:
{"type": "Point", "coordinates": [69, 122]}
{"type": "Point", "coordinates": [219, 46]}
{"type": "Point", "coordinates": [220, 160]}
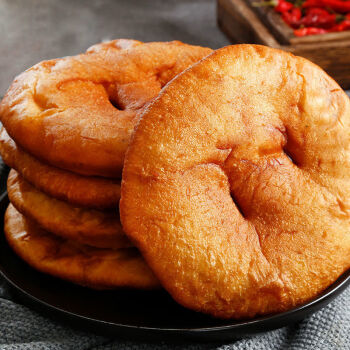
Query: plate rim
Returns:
{"type": "Point", "coordinates": [339, 286]}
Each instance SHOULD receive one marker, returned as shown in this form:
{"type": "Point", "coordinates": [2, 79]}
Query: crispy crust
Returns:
{"type": "Point", "coordinates": [240, 201]}
{"type": "Point", "coordinates": [85, 191]}
{"type": "Point", "coordinates": [87, 266]}
{"type": "Point", "coordinates": [86, 226]}
{"type": "Point", "coordinates": [80, 111]}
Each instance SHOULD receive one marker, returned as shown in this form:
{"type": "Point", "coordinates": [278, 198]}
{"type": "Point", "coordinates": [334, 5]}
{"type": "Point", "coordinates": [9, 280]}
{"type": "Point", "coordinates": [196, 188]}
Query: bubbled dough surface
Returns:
{"type": "Point", "coordinates": [239, 197]}
{"type": "Point", "coordinates": [80, 111]}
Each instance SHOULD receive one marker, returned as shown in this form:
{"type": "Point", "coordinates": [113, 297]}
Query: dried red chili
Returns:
{"type": "Point", "coordinates": [345, 25]}
{"type": "Point", "coordinates": [335, 5]}
{"type": "Point", "coordinates": [292, 17]}
{"type": "Point", "coordinates": [283, 6]}
{"type": "Point", "coordinates": [309, 31]}
{"type": "Point", "coordinates": [318, 17]}
{"type": "Point", "coordinates": [309, 17]}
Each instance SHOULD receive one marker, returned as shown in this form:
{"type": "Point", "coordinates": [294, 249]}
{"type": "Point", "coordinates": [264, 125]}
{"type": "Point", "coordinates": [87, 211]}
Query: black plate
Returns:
{"type": "Point", "coordinates": [135, 314]}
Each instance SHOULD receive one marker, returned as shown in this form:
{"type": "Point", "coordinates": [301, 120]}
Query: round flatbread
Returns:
{"type": "Point", "coordinates": [86, 191]}
{"type": "Point", "coordinates": [80, 111]}
{"type": "Point", "coordinates": [236, 184]}
{"type": "Point", "coordinates": [87, 266]}
{"type": "Point", "coordinates": [86, 226]}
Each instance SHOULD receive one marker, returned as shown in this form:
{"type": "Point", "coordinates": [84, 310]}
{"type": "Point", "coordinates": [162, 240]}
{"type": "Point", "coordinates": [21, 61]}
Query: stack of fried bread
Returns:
{"type": "Point", "coordinates": [235, 169]}
{"type": "Point", "coordinates": [67, 124]}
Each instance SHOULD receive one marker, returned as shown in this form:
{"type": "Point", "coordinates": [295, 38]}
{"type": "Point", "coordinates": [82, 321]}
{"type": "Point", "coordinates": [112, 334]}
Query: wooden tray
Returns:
{"type": "Point", "coordinates": [243, 23]}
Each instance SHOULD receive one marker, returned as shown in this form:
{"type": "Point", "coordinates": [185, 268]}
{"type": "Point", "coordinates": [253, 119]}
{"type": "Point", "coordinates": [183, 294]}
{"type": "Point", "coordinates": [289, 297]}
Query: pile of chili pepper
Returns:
{"type": "Point", "coordinates": [308, 17]}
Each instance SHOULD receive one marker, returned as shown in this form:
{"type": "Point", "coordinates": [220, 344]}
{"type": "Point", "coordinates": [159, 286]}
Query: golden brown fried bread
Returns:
{"type": "Point", "coordinates": [236, 184]}
{"type": "Point", "coordinates": [86, 191]}
{"type": "Point", "coordinates": [87, 266]}
{"type": "Point", "coordinates": [86, 226]}
{"type": "Point", "coordinates": [80, 111]}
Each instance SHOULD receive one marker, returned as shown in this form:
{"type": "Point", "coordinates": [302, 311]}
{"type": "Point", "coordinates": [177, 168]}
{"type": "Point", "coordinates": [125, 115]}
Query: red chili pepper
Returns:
{"type": "Point", "coordinates": [292, 17]}
{"type": "Point", "coordinates": [345, 25]}
{"type": "Point", "coordinates": [335, 5]}
{"type": "Point", "coordinates": [309, 31]}
{"type": "Point", "coordinates": [317, 17]}
{"type": "Point", "coordinates": [283, 6]}
{"type": "Point", "coordinates": [308, 17]}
